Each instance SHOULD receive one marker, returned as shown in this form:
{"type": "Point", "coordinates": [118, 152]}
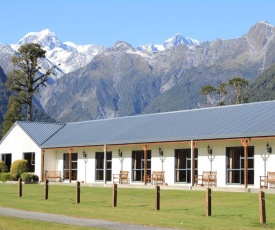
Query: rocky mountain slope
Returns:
{"type": "Point", "coordinates": [123, 80]}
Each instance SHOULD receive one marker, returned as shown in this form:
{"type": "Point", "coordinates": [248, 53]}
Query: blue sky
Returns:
{"type": "Point", "coordinates": [139, 22]}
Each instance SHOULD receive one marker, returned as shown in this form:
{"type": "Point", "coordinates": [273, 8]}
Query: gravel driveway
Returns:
{"type": "Point", "coordinates": [74, 220]}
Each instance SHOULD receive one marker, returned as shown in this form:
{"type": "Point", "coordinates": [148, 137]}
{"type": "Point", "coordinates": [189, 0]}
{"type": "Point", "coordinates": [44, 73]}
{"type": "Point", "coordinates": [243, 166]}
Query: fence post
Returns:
{"type": "Point", "coordinates": [20, 187]}
{"type": "Point", "coordinates": [114, 200]}
{"type": "Point", "coordinates": [46, 189]}
{"type": "Point", "coordinates": [157, 197]}
{"type": "Point", "coordinates": [208, 202]}
{"type": "Point", "coordinates": [77, 192]}
{"type": "Point", "coordinates": [262, 207]}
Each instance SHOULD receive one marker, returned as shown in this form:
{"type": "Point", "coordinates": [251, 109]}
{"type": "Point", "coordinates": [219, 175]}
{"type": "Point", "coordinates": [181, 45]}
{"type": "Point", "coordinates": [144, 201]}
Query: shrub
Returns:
{"type": "Point", "coordinates": [5, 177]}
{"type": "Point", "coordinates": [13, 177]}
{"type": "Point", "coordinates": [35, 177]}
{"type": "Point", "coordinates": [18, 167]}
{"type": "Point", "coordinates": [27, 176]}
{"type": "Point", "coordinates": [3, 167]}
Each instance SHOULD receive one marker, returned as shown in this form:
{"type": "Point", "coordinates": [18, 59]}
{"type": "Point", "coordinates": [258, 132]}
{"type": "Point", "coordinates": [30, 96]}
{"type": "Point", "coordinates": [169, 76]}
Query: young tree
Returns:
{"type": "Point", "coordinates": [221, 91]}
{"type": "Point", "coordinates": [207, 91]}
{"type": "Point", "coordinates": [26, 79]}
{"type": "Point", "coordinates": [14, 113]}
{"type": "Point", "coordinates": [238, 84]}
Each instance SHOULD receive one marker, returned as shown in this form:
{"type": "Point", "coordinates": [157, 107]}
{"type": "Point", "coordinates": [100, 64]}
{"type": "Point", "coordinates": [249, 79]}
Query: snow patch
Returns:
{"type": "Point", "coordinates": [169, 43]}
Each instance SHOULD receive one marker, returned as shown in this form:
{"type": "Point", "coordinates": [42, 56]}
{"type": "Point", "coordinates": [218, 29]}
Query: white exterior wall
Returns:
{"type": "Point", "coordinates": [219, 162]}
{"type": "Point", "coordinates": [54, 160]}
{"type": "Point", "coordinates": [17, 143]}
{"type": "Point", "coordinates": [260, 151]}
{"type": "Point", "coordinates": [50, 160]}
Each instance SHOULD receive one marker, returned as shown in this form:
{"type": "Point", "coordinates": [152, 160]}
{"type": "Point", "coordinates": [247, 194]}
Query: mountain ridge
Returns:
{"type": "Point", "coordinates": [73, 56]}
{"type": "Point", "coordinates": [123, 80]}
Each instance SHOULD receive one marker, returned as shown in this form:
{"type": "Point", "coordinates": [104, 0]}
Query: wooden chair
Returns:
{"type": "Point", "coordinates": [265, 180]}
{"type": "Point", "coordinates": [122, 177]}
{"type": "Point", "coordinates": [207, 177]}
{"type": "Point", "coordinates": [158, 177]}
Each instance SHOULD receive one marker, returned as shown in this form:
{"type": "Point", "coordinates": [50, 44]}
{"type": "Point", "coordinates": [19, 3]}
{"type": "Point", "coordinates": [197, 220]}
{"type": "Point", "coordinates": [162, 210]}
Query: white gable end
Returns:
{"type": "Point", "coordinates": [18, 142]}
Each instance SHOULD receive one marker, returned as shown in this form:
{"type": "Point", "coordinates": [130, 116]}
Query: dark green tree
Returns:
{"type": "Point", "coordinates": [207, 91]}
{"type": "Point", "coordinates": [14, 113]}
{"type": "Point", "coordinates": [26, 78]}
{"type": "Point", "coordinates": [238, 84]}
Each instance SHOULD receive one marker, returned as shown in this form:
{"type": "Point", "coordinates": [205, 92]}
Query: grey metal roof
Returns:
{"type": "Point", "coordinates": [244, 120]}
{"type": "Point", "coordinates": [40, 131]}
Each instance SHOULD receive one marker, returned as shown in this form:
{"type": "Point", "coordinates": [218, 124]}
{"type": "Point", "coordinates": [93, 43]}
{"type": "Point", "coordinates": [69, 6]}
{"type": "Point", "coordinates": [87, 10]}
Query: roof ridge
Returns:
{"type": "Point", "coordinates": [41, 122]}
{"type": "Point", "coordinates": [172, 112]}
{"type": "Point", "coordinates": [53, 134]}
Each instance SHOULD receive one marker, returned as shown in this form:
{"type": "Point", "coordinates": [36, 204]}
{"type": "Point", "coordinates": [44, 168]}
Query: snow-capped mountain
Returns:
{"type": "Point", "coordinates": [72, 56]}
{"type": "Point", "coordinates": [179, 39]}
{"type": "Point", "coordinates": [45, 38]}
{"type": "Point", "coordinates": [68, 54]}
{"type": "Point", "coordinates": [174, 41]}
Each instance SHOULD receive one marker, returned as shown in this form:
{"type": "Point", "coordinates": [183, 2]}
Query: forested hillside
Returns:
{"type": "Point", "coordinates": [263, 87]}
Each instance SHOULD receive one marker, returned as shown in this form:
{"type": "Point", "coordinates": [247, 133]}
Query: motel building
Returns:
{"type": "Point", "coordinates": [231, 146]}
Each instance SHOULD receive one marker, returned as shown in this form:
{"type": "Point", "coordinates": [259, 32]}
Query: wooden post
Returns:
{"type": "Point", "coordinates": [20, 187]}
{"type": "Point", "coordinates": [245, 167]}
{"type": "Point", "coordinates": [262, 207]}
{"type": "Point", "coordinates": [193, 145]}
{"type": "Point", "coordinates": [245, 143]}
{"type": "Point", "coordinates": [145, 147]}
{"type": "Point", "coordinates": [77, 192]}
{"type": "Point", "coordinates": [42, 176]}
{"type": "Point", "coordinates": [114, 200]}
{"type": "Point", "coordinates": [208, 202]}
{"type": "Point", "coordinates": [105, 149]}
{"type": "Point", "coordinates": [46, 189]}
{"type": "Point", "coordinates": [157, 197]}
{"type": "Point", "coordinates": [70, 150]}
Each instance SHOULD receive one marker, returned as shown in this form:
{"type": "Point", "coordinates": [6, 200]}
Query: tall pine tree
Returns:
{"type": "Point", "coordinates": [26, 78]}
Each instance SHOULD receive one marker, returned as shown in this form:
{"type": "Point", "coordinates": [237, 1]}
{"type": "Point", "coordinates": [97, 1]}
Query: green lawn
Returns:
{"type": "Point", "coordinates": [10, 223]}
{"type": "Point", "coordinates": [178, 208]}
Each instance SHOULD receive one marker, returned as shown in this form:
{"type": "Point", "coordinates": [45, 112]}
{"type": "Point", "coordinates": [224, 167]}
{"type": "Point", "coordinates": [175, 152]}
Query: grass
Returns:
{"type": "Point", "coordinates": [178, 208]}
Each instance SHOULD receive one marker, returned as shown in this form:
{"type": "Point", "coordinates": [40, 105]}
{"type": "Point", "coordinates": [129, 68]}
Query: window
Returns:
{"type": "Point", "coordinates": [138, 165]}
{"type": "Point", "coordinates": [183, 165]}
{"type": "Point", "coordinates": [30, 157]}
{"type": "Point", "coordinates": [6, 158]}
{"type": "Point", "coordinates": [99, 170]}
{"type": "Point", "coordinates": [66, 169]}
{"type": "Point", "coordinates": [235, 165]}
